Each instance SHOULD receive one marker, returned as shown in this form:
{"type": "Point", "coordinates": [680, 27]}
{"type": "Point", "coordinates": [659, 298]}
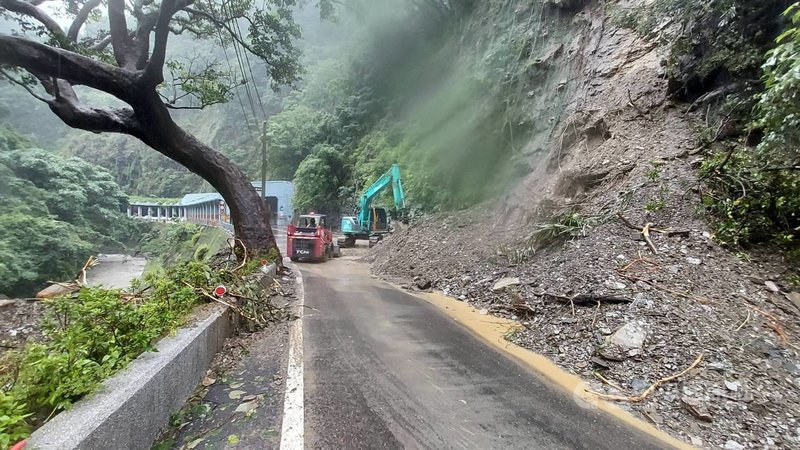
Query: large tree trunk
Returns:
{"type": "Point", "coordinates": [248, 211]}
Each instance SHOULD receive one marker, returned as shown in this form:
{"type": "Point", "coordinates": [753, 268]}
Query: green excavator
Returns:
{"type": "Point", "coordinates": [372, 222]}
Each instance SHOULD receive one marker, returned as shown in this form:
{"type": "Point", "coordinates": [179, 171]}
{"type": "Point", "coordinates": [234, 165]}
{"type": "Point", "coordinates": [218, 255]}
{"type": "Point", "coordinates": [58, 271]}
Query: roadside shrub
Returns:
{"type": "Point", "coordinates": [89, 337]}
{"type": "Point", "coordinates": [755, 191]}
{"type": "Point", "coordinates": [12, 420]}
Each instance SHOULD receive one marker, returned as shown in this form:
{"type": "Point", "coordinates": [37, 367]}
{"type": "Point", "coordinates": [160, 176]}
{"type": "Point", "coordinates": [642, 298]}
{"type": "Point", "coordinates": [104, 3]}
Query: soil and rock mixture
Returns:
{"type": "Point", "coordinates": [564, 254]}
{"type": "Point", "coordinates": [21, 319]}
{"type": "Point", "coordinates": [19, 322]}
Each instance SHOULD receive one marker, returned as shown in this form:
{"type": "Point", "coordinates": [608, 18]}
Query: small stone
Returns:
{"type": "Point", "coordinates": [504, 283]}
{"type": "Point", "coordinates": [639, 384]}
{"type": "Point", "coordinates": [732, 385]}
{"type": "Point", "coordinates": [717, 366]}
{"type": "Point", "coordinates": [771, 286]}
{"type": "Point", "coordinates": [733, 445]}
{"type": "Point", "coordinates": [424, 283]}
{"type": "Point", "coordinates": [696, 441]}
{"type": "Point", "coordinates": [235, 395]}
{"type": "Point", "coordinates": [616, 285]}
{"type": "Point", "coordinates": [462, 297]}
{"type": "Point", "coordinates": [484, 311]}
{"type": "Point", "coordinates": [694, 261]}
{"type": "Point", "coordinates": [600, 362]}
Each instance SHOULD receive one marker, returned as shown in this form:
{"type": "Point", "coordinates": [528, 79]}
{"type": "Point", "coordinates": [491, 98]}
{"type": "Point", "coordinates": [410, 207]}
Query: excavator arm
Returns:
{"type": "Point", "coordinates": [390, 178]}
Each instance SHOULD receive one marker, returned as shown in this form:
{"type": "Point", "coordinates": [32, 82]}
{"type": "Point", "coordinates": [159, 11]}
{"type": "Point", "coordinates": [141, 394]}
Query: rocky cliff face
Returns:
{"type": "Point", "coordinates": [609, 244]}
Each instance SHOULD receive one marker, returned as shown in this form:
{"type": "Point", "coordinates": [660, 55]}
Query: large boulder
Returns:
{"type": "Point", "coordinates": [626, 342]}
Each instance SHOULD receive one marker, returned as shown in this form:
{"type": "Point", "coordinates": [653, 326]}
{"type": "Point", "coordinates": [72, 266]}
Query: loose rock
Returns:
{"type": "Point", "coordinates": [503, 283]}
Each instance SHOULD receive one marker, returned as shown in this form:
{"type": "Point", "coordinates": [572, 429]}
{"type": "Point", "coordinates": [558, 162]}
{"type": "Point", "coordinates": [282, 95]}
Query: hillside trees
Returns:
{"type": "Point", "coordinates": [54, 213]}
{"type": "Point", "coordinates": [321, 180]}
{"type": "Point", "coordinates": [131, 64]}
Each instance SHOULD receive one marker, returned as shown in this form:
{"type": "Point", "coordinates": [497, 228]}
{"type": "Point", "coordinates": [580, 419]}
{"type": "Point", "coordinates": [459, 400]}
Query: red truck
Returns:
{"type": "Point", "coordinates": [310, 239]}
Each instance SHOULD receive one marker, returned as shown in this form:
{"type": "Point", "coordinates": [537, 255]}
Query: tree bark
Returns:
{"type": "Point", "coordinates": [248, 212]}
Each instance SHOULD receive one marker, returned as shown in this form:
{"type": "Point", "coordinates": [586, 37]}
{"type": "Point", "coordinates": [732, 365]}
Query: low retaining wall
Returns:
{"type": "Point", "coordinates": [131, 408]}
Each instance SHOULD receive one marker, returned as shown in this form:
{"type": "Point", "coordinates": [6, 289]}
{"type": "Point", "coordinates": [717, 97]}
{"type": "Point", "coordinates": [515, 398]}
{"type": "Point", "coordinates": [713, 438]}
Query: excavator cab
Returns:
{"type": "Point", "coordinates": [372, 222]}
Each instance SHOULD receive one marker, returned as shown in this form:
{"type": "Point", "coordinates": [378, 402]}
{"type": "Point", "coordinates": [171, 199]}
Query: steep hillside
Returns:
{"type": "Point", "coordinates": [614, 149]}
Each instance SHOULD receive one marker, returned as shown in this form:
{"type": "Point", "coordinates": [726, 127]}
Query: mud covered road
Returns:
{"type": "Point", "coordinates": [385, 369]}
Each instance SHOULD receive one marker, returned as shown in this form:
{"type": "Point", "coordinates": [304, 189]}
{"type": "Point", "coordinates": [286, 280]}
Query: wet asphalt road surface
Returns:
{"type": "Point", "coordinates": [387, 370]}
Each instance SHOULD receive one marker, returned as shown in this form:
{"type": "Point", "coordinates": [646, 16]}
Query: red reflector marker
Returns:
{"type": "Point", "coordinates": [220, 290]}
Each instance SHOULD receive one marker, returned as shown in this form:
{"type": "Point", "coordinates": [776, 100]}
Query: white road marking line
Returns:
{"type": "Point", "coordinates": [293, 427]}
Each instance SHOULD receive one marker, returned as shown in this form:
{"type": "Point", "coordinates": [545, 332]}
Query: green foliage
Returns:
{"type": "Point", "coordinates": [558, 228]}
{"type": "Point", "coordinates": [35, 249]}
{"type": "Point", "coordinates": [755, 191]}
{"type": "Point", "coordinates": [201, 253]}
{"type": "Point", "coordinates": [779, 105]}
{"type": "Point", "coordinates": [655, 171]}
{"type": "Point", "coordinates": [318, 179]}
{"type": "Point", "coordinates": [294, 134]}
{"type": "Point", "coordinates": [54, 212]}
{"type": "Point", "coordinates": [89, 337]}
{"type": "Point", "coordinates": [168, 244]}
{"type": "Point", "coordinates": [13, 415]}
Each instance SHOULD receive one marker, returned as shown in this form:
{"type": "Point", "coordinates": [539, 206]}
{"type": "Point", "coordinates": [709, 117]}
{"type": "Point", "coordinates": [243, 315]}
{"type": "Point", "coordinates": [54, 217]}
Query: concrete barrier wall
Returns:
{"type": "Point", "coordinates": [130, 409]}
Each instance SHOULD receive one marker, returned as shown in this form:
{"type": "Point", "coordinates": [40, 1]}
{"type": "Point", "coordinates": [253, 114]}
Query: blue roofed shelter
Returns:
{"type": "Point", "coordinates": [210, 209]}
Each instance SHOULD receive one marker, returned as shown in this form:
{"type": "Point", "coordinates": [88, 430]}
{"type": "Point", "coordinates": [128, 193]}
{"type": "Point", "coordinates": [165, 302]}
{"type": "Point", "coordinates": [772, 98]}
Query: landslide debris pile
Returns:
{"type": "Point", "coordinates": [656, 314]}
{"type": "Point", "coordinates": [604, 256]}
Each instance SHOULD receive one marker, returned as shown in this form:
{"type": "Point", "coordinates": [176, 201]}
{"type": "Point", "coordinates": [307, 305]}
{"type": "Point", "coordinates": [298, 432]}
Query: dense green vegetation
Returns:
{"type": "Point", "coordinates": [90, 336]}
{"type": "Point", "coordinates": [167, 244]}
{"type": "Point", "coordinates": [54, 213]}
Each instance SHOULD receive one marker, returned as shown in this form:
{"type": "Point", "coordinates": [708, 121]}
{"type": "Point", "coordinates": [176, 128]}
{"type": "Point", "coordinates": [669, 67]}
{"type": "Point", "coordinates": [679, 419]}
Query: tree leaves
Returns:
{"type": "Point", "coordinates": [54, 213]}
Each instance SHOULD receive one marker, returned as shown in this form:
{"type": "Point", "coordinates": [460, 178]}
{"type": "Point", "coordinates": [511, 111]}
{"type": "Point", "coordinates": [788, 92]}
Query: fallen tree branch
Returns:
{"type": "Point", "coordinates": [81, 278]}
{"type": "Point", "coordinates": [648, 391]}
{"type": "Point", "coordinates": [637, 260]}
{"type": "Point", "coordinates": [648, 228]}
{"type": "Point", "coordinates": [608, 382]}
{"type": "Point", "coordinates": [585, 299]}
{"type": "Point", "coordinates": [646, 236]}
{"type": "Point", "coordinates": [685, 295]}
